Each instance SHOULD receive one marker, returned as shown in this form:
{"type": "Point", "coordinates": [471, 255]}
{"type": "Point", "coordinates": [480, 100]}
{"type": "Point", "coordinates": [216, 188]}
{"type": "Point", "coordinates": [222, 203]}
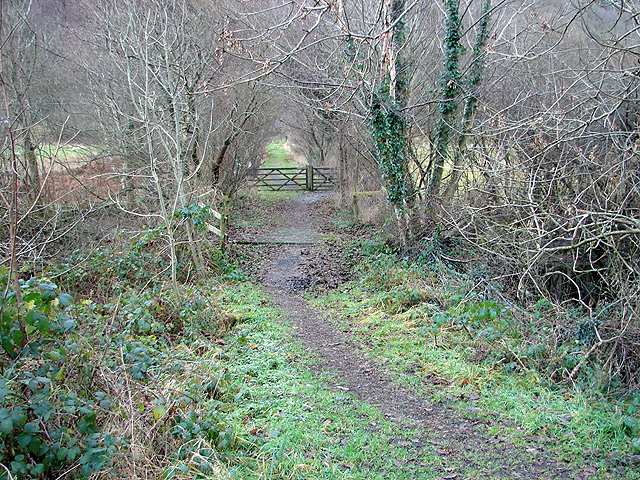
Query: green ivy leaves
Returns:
{"type": "Point", "coordinates": [390, 148]}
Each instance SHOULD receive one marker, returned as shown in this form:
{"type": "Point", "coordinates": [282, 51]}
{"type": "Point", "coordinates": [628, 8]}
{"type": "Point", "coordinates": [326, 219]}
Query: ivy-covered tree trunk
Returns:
{"type": "Point", "coordinates": [450, 83]}
{"type": "Point", "coordinates": [391, 151]}
{"type": "Point", "coordinates": [452, 89]}
{"type": "Point", "coordinates": [478, 64]}
{"type": "Point", "coordinates": [389, 124]}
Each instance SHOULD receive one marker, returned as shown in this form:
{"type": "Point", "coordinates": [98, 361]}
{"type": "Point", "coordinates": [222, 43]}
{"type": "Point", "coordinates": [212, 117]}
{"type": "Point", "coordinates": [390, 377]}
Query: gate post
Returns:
{"type": "Point", "coordinates": [224, 223]}
{"type": "Point", "coordinates": [310, 178]}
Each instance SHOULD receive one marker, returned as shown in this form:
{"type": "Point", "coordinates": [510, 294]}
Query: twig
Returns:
{"type": "Point", "coordinates": [67, 472]}
{"type": "Point", "coordinates": [10, 477]}
{"type": "Point", "coordinates": [586, 356]}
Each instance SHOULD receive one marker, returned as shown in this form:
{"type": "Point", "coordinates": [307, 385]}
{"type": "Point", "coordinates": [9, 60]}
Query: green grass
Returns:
{"type": "Point", "coordinates": [278, 155]}
{"type": "Point", "coordinates": [271, 197]}
{"type": "Point", "coordinates": [66, 153]}
{"type": "Point", "coordinates": [376, 311]}
{"type": "Point", "coordinates": [291, 426]}
{"type": "Point", "coordinates": [69, 151]}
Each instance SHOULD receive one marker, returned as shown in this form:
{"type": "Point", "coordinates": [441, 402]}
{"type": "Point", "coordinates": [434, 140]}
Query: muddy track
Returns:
{"type": "Point", "coordinates": [467, 450]}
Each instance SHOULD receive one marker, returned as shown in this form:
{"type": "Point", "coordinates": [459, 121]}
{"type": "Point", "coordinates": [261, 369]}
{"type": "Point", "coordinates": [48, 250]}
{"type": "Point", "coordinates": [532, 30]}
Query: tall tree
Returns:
{"type": "Point", "coordinates": [163, 66]}
{"type": "Point", "coordinates": [23, 55]}
{"type": "Point", "coordinates": [389, 123]}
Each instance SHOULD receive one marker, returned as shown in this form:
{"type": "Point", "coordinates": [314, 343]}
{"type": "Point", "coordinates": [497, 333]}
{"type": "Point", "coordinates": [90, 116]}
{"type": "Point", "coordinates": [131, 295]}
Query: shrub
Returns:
{"type": "Point", "coordinates": [48, 412]}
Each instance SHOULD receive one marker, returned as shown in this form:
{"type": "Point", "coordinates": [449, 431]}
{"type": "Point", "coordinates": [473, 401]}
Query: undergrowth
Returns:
{"type": "Point", "coordinates": [452, 336]}
{"type": "Point", "coordinates": [105, 372]}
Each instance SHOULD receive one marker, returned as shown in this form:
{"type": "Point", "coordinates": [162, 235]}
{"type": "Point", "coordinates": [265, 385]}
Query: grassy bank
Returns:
{"type": "Point", "coordinates": [434, 333]}
{"type": "Point", "coordinates": [113, 375]}
{"type": "Point", "coordinates": [120, 378]}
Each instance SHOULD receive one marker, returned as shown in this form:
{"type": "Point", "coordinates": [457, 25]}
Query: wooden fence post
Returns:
{"type": "Point", "coordinates": [310, 178]}
{"type": "Point", "coordinates": [224, 223]}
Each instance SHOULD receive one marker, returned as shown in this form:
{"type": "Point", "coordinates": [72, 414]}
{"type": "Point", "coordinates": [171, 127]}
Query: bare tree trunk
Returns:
{"type": "Point", "coordinates": [192, 132]}
{"type": "Point", "coordinates": [32, 171]}
{"type": "Point", "coordinates": [173, 257]}
{"type": "Point", "coordinates": [216, 166]}
{"type": "Point", "coordinates": [13, 207]}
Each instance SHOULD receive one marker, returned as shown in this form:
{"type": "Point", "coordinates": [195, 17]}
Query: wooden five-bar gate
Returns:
{"type": "Point", "coordinates": [296, 178]}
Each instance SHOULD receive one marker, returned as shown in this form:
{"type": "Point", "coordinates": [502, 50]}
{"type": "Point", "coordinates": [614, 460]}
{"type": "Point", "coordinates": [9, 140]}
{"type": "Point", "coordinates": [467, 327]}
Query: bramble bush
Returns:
{"type": "Point", "coordinates": [48, 408]}
{"type": "Point", "coordinates": [127, 361]}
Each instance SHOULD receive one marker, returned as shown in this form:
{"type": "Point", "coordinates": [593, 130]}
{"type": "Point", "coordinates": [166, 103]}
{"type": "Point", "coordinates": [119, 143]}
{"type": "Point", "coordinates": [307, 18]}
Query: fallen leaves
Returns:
{"type": "Point", "coordinates": [446, 451]}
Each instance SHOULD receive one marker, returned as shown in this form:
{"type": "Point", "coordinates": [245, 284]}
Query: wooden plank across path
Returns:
{"type": "Point", "coordinates": [286, 236]}
{"type": "Point", "coordinates": [296, 178]}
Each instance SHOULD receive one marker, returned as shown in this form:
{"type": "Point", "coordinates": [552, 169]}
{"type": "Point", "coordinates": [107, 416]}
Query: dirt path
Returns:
{"type": "Point", "coordinates": [469, 452]}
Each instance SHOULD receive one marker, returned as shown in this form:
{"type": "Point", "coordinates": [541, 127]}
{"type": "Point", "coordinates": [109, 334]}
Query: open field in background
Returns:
{"type": "Point", "coordinates": [278, 154]}
{"type": "Point", "coordinates": [67, 156]}
{"type": "Point", "coordinates": [70, 173]}
{"type": "Point", "coordinates": [63, 157]}
{"type": "Point", "coordinates": [483, 165]}
{"type": "Point", "coordinates": [78, 170]}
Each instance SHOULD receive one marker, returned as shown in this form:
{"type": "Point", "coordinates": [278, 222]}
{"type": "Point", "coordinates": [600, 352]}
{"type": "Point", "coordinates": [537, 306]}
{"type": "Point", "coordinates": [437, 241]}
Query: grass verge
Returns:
{"type": "Point", "coordinates": [435, 336]}
{"type": "Point", "coordinates": [278, 155]}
